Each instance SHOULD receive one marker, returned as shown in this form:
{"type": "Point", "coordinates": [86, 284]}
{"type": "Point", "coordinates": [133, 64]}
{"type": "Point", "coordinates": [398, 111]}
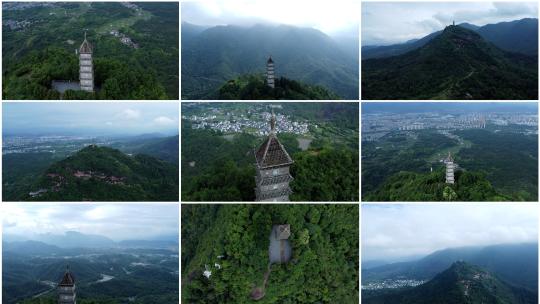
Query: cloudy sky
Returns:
{"type": "Point", "coordinates": [90, 118]}
{"type": "Point", "coordinates": [391, 232]}
{"type": "Point", "coordinates": [395, 22]}
{"type": "Point", "coordinates": [327, 16]}
{"type": "Point", "coordinates": [116, 221]}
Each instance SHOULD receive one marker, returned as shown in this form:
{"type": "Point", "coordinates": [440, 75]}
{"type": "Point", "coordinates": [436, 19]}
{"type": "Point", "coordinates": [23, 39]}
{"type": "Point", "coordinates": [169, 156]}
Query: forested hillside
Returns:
{"type": "Point", "coordinates": [104, 174]}
{"type": "Point", "coordinates": [457, 64]}
{"type": "Point", "coordinates": [44, 50]}
{"type": "Point", "coordinates": [323, 268]}
{"type": "Point", "coordinates": [212, 56]}
{"type": "Point", "coordinates": [254, 87]}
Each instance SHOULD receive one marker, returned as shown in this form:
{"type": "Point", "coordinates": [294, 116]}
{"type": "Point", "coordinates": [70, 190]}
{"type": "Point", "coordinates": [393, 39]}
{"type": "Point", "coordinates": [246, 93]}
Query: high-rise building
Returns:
{"type": "Point", "coordinates": [272, 165]}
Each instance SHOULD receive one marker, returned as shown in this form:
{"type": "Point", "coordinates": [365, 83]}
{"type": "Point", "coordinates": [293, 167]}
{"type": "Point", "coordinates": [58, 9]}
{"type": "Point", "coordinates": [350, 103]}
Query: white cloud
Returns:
{"type": "Point", "coordinates": [164, 121]}
{"type": "Point", "coordinates": [327, 16]}
{"type": "Point", "coordinates": [395, 231]}
{"type": "Point", "coordinates": [129, 114]}
{"type": "Point", "coordinates": [116, 221]}
{"type": "Point", "coordinates": [395, 22]}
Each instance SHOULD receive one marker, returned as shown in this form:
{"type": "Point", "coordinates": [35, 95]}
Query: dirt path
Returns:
{"type": "Point", "coordinates": [258, 293]}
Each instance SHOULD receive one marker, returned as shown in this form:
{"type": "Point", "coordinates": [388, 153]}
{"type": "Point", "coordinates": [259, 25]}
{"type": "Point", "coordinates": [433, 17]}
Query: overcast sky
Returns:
{"type": "Point", "coordinates": [116, 221]}
{"type": "Point", "coordinates": [327, 16]}
{"type": "Point", "coordinates": [395, 22]}
{"type": "Point", "coordinates": [394, 231]}
{"type": "Point", "coordinates": [90, 118]}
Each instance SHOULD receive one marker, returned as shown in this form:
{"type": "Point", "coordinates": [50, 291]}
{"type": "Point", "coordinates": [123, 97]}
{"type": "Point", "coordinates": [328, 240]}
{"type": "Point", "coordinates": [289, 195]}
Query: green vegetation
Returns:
{"type": "Point", "coordinates": [44, 51]}
{"type": "Point", "coordinates": [254, 87]}
{"type": "Point", "coordinates": [105, 174]}
{"type": "Point", "coordinates": [408, 186]}
{"type": "Point", "coordinates": [324, 265]}
{"type": "Point", "coordinates": [461, 283]}
{"type": "Point", "coordinates": [508, 159]}
{"type": "Point", "coordinates": [494, 166]}
{"type": "Point", "coordinates": [212, 56]}
{"type": "Point", "coordinates": [219, 168]}
{"type": "Point", "coordinates": [457, 64]}
{"type": "Point", "coordinates": [155, 283]}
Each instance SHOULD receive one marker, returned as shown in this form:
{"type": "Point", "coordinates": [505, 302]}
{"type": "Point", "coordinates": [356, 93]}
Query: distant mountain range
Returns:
{"type": "Point", "coordinates": [105, 174]}
{"type": "Point", "coordinates": [460, 283]}
{"type": "Point", "coordinates": [448, 107]}
{"type": "Point", "coordinates": [516, 264]}
{"type": "Point", "coordinates": [164, 148]}
{"type": "Point", "coordinates": [519, 36]}
{"type": "Point", "coordinates": [454, 64]}
{"type": "Point", "coordinates": [211, 56]}
{"type": "Point", "coordinates": [45, 244]}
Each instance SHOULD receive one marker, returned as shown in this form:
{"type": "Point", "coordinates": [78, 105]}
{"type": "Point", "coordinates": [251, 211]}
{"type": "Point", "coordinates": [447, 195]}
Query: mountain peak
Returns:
{"type": "Point", "coordinates": [460, 36]}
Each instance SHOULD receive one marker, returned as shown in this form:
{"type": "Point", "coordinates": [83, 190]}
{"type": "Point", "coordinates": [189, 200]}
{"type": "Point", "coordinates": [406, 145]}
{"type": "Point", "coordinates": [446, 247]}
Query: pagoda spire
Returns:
{"type": "Point", "coordinates": [273, 123]}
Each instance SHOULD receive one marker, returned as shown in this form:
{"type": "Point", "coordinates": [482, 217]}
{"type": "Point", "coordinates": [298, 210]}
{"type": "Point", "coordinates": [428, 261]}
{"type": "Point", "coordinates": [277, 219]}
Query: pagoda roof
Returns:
{"type": "Point", "coordinates": [67, 280]}
{"type": "Point", "coordinates": [85, 47]}
{"type": "Point", "coordinates": [270, 60]}
{"type": "Point", "coordinates": [272, 153]}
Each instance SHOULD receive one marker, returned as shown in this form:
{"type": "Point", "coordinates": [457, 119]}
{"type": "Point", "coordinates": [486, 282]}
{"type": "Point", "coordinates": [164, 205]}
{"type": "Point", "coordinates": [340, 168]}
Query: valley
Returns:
{"type": "Point", "coordinates": [104, 275]}
{"type": "Point", "coordinates": [304, 55]}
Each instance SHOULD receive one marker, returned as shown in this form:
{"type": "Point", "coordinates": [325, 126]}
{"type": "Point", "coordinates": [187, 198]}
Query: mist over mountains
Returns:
{"type": "Point", "coordinates": [50, 243]}
{"type": "Point", "coordinates": [516, 263]}
{"type": "Point", "coordinates": [211, 56]}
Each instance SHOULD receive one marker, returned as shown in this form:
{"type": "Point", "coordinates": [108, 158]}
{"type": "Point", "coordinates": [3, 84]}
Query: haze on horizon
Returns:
{"type": "Point", "coordinates": [392, 232]}
{"type": "Point", "coordinates": [385, 23]}
{"type": "Point", "coordinates": [333, 18]}
{"type": "Point", "coordinates": [115, 221]}
{"type": "Point", "coordinates": [449, 107]}
{"type": "Point", "coordinates": [90, 118]}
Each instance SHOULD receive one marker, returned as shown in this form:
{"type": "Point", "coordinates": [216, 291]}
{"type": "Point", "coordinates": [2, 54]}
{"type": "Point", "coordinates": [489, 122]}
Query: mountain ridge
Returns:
{"type": "Point", "coordinates": [515, 263]}
{"type": "Point", "coordinates": [457, 64]}
{"type": "Point", "coordinates": [217, 54]}
{"type": "Point", "coordinates": [505, 35]}
{"type": "Point", "coordinates": [460, 283]}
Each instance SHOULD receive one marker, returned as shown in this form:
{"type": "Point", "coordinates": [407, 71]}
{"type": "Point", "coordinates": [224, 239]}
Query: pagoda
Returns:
{"type": "Point", "coordinates": [86, 71]}
{"type": "Point", "coordinates": [270, 72]}
{"type": "Point", "coordinates": [66, 289]}
{"type": "Point", "coordinates": [450, 167]}
{"type": "Point", "coordinates": [273, 169]}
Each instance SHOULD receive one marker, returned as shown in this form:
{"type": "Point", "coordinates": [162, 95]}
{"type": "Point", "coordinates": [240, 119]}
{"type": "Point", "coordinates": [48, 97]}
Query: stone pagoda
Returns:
{"type": "Point", "coordinates": [450, 167]}
{"type": "Point", "coordinates": [272, 165]}
{"type": "Point", "coordinates": [270, 72]}
{"type": "Point", "coordinates": [66, 289]}
{"type": "Point", "coordinates": [86, 70]}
